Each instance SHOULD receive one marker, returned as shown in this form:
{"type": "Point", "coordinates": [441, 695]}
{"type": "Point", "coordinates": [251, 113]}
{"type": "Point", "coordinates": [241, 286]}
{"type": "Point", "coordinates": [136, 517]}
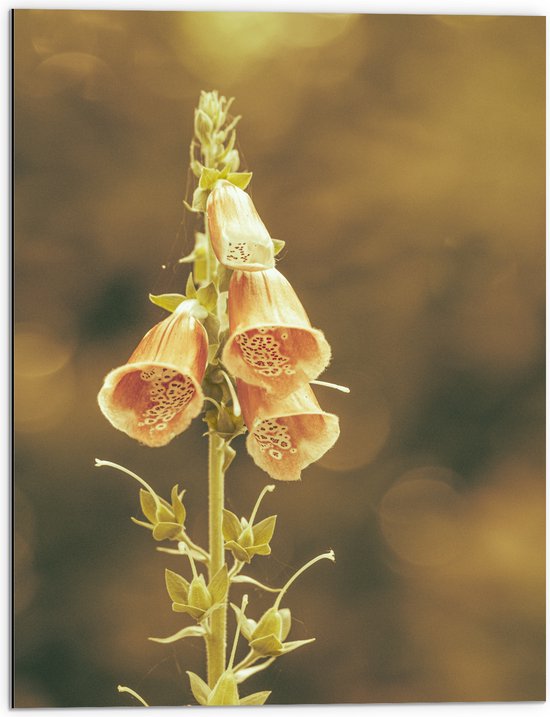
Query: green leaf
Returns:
{"type": "Point", "coordinates": [278, 245]}
{"type": "Point", "coordinates": [148, 505]}
{"type": "Point", "coordinates": [196, 613]}
{"type": "Point", "coordinates": [263, 531]}
{"type": "Point", "coordinates": [219, 584]}
{"type": "Point", "coordinates": [190, 289]}
{"type": "Point", "coordinates": [199, 688]}
{"type": "Point", "coordinates": [208, 297]}
{"type": "Point", "coordinates": [228, 456]}
{"type": "Point", "coordinates": [240, 179]}
{"type": "Point", "coordinates": [191, 631]}
{"type": "Point", "coordinates": [258, 698]}
{"type": "Point", "coordinates": [231, 525]}
{"type": "Point", "coordinates": [177, 586]}
{"type": "Point", "coordinates": [261, 549]}
{"type": "Point", "coordinates": [170, 302]}
{"type": "Point", "coordinates": [166, 531]}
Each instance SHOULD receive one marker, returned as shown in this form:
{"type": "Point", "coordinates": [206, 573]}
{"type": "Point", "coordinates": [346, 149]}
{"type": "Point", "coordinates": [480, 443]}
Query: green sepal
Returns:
{"type": "Point", "coordinates": [246, 624]}
{"type": "Point", "coordinates": [199, 595]}
{"type": "Point", "coordinates": [166, 531]}
{"type": "Point", "coordinates": [278, 245]}
{"type": "Point", "coordinates": [212, 326]}
{"type": "Point", "coordinates": [228, 456]}
{"type": "Point", "coordinates": [199, 688]}
{"type": "Point", "coordinates": [246, 672]}
{"type": "Point", "coordinates": [203, 126]}
{"type": "Point", "coordinates": [219, 585]}
{"type": "Point", "coordinates": [208, 178]}
{"type": "Point", "coordinates": [142, 523]}
{"type": "Point", "coordinates": [239, 553]}
{"type": "Point", "coordinates": [289, 646]}
{"type": "Point", "coordinates": [199, 200]}
{"type": "Point", "coordinates": [191, 631]}
{"type": "Point", "coordinates": [260, 550]}
{"type": "Point", "coordinates": [286, 622]}
{"type": "Point", "coordinates": [257, 698]}
{"type": "Point", "coordinates": [231, 525]}
{"type": "Point", "coordinates": [270, 623]}
{"type": "Point", "coordinates": [170, 302]}
{"type": "Point", "coordinates": [190, 289]}
{"type": "Point", "coordinates": [196, 167]}
{"type": "Point", "coordinates": [148, 505]}
{"type": "Point", "coordinates": [240, 179]}
{"type": "Point", "coordinates": [263, 531]}
{"type": "Point", "coordinates": [177, 505]}
{"type": "Point", "coordinates": [212, 352]}
{"type": "Point", "coordinates": [267, 646]}
{"type": "Point", "coordinates": [196, 613]}
{"type": "Point", "coordinates": [177, 586]}
{"type": "Point", "coordinates": [225, 691]}
{"type": "Point", "coordinates": [207, 296]}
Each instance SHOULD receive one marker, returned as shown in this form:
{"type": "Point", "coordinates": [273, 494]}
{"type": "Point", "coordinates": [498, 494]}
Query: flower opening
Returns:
{"type": "Point", "coordinates": [286, 434]}
{"type": "Point", "coordinates": [271, 342]}
{"type": "Point", "coordinates": [239, 237]}
{"type": "Point", "coordinates": [157, 393]}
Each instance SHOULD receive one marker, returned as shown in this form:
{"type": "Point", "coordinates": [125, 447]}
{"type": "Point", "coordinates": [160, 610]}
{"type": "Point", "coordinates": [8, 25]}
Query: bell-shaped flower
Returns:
{"type": "Point", "coordinates": [271, 342]}
{"type": "Point", "coordinates": [157, 393]}
{"type": "Point", "coordinates": [238, 235]}
{"type": "Point", "coordinates": [286, 434]}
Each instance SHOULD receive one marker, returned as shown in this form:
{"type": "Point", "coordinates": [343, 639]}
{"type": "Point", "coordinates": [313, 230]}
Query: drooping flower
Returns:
{"type": "Point", "coordinates": [286, 434]}
{"type": "Point", "coordinates": [157, 393]}
{"type": "Point", "coordinates": [271, 342]}
{"type": "Point", "coordinates": [238, 235]}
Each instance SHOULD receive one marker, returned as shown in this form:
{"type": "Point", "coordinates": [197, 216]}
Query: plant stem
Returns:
{"type": "Point", "coordinates": [216, 639]}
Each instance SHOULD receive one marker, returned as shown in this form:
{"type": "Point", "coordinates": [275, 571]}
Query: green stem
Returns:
{"type": "Point", "coordinates": [216, 640]}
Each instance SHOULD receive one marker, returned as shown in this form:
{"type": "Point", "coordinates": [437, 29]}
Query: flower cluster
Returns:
{"type": "Point", "coordinates": [271, 351]}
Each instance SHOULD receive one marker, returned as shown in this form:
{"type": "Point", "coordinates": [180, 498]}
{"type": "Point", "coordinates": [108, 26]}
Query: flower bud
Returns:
{"type": "Point", "coordinates": [271, 342]}
{"type": "Point", "coordinates": [286, 434]}
{"type": "Point", "coordinates": [157, 393]}
{"type": "Point", "coordinates": [239, 237]}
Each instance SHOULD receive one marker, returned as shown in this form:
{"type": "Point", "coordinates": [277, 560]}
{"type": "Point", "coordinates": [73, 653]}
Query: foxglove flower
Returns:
{"type": "Point", "coordinates": [286, 434]}
{"type": "Point", "coordinates": [157, 393]}
{"type": "Point", "coordinates": [238, 235]}
{"type": "Point", "coordinates": [271, 342]}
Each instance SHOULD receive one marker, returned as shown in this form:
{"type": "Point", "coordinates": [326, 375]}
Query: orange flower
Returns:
{"type": "Point", "coordinates": [286, 435]}
{"type": "Point", "coordinates": [238, 235]}
{"type": "Point", "coordinates": [271, 342]}
{"type": "Point", "coordinates": [157, 393]}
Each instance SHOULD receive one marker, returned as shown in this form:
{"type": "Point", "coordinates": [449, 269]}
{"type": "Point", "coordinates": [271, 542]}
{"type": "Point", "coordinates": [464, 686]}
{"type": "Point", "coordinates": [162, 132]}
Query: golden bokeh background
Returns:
{"type": "Point", "coordinates": [402, 159]}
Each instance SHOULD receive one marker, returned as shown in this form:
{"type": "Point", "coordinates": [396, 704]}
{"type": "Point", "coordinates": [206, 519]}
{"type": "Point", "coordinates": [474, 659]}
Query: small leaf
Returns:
{"type": "Point", "coordinates": [240, 179]}
{"type": "Point", "coordinates": [264, 549]}
{"type": "Point", "coordinates": [170, 302]}
{"type": "Point", "coordinates": [278, 245]}
{"type": "Point", "coordinates": [228, 456]}
{"type": "Point", "coordinates": [148, 505]}
{"type": "Point", "coordinates": [177, 586]}
{"type": "Point", "coordinates": [258, 698]}
{"type": "Point", "coordinates": [140, 522]}
{"type": "Point", "coordinates": [199, 688]}
{"type": "Point", "coordinates": [247, 672]}
{"type": "Point", "coordinates": [208, 178]}
{"type": "Point", "coordinates": [191, 631]}
{"type": "Point", "coordinates": [231, 525]}
{"type": "Point", "coordinates": [190, 289]}
{"type": "Point", "coordinates": [263, 531]}
{"type": "Point", "coordinates": [166, 531]}
{"type": "Point", "coordinates": [219, 584]}
{"type": "Point", "coordinates": [196, 613]}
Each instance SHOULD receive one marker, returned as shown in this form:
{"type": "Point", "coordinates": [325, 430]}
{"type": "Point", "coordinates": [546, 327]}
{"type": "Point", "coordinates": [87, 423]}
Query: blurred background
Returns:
{"type": "Point", "coordinates": [402, 159]}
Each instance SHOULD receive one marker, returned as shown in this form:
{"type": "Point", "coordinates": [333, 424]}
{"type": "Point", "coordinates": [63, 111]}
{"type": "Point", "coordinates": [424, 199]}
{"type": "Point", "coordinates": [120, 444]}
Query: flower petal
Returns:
{"type": "Point", "coordinates": [157, 393]}
{"type": "Point", "coordinates": [286, 435]}
{"type": "Point", "coordinates": [271, 342]}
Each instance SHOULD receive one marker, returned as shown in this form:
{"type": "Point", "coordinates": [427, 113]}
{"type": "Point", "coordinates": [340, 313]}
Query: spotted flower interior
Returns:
{"type": "Point", "coordinates": [283, 446]}
{"type": "Point", "coordinates": [152, 402]}
{"type": "Point", "coordinates": [278, 358]}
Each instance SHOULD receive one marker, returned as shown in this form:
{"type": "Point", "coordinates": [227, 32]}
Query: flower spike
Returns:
{"type": "Point", "coordinates": [286, 435]}
{"type": "Point", "coordinates": [239, 237]}
{"type": "Point", "coordinates": [271, 342]}
{"type": "Point", "coordinates": [157, 393]}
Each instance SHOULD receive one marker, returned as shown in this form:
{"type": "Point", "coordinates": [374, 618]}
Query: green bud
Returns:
{"type": "Point", "coordinates": [203, 126]}
{"type": "Point", "coordinates": [199, 596]}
